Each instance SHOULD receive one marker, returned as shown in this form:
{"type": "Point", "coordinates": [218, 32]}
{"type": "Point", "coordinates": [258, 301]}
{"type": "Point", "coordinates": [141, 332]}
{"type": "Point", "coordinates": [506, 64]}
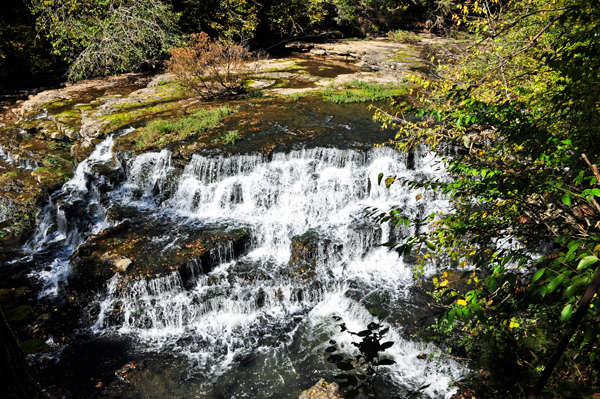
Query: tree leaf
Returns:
{"type": "Point", "coordinates": [387, 345]}
{"type": "Point", "coordinates": [18, 313]}
{"type": "Point", "coordinates": [344, 366]}
{"type": "Point", "coordinates": [566, 313]}
{"type": "Point", "coordinates": [379, 179]}
{"type": "Point", "coordinates": [587, 261]}
{"type": "Point", "coordinates": [555, 283]}
{"type": "Point", "coordinates": [386, 362]}
{"type": "Point", "coordinates": [566, 199]}
{"type": "Point", "coordinates": [537, 275]}
{"type": "Point", "coordinates": [33, 346]}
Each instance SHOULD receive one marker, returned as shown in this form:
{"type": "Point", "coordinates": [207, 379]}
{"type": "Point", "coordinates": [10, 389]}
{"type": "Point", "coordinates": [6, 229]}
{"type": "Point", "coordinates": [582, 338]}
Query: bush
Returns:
{"type": "Point", "coordinates": [212, 70]}
{"type": "Point", "coordinates": [403, 36]}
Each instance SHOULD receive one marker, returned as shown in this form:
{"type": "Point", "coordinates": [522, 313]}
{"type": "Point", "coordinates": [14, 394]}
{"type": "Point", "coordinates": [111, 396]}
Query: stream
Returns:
{"type": "Point", "coordinates": [251, 318]}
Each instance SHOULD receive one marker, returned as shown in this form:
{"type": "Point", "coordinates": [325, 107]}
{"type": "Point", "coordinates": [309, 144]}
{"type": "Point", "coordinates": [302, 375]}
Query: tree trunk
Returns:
{"type": "Point", "coordinates": [16, 382]}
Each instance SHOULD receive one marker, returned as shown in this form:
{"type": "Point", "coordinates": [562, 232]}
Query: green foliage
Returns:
{"type": "Point", "coordinates": [369, 16]}
{"type": "Point", "coordinates": [228, 138]}
{"type": "Point", "coordinates": [157, 134]}
{"type": "Point", "coordinates": [33, 346]}
{"type": "Point", "coordinates": [102, 37]}
{"type": "Point", "coordinates": [403, 36]}
{"type": "Point", "coordinates": [517, 108]}
{"type": "Point", "coordinates": [19, 313]}
{"type": "Point", "coordinates": [361, 368]}
{"type": "Point", "coordinates": [361, 91]}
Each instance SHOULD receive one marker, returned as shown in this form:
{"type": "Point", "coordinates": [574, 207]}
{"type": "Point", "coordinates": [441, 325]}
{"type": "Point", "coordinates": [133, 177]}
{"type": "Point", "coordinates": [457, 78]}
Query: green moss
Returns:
{"type": "Point", "coordinates": [84, 107]}
{"type": "Point", "coordinates": [160, 133]}
{"type": "Point", "coordinates": [281, 83]}
{"type": "Point", "coordinates": [406, 54]}
{"type": "Point", "coordinates": [9, 175]}
{"type": "Point", "coordinates": [359, 91]}
{"type": "Point", "coordinates": [59, 105]}
{"type": "Point", "coordinates": [139, 113]}
{"type": "Point", "coordinates": [293, 68]}
{"type": "Point", "coordinates": [298, 95]}
{"type": "Point", "coordinates": [228, 138]}
{"type": "Point", "coordinates": [52, 176]}
{"type": "Point", "coordinates": [53, 145]}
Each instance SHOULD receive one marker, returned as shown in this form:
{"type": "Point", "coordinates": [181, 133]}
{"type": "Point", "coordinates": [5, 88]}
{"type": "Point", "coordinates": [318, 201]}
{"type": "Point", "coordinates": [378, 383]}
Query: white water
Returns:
{"type": "Point", "coordinates": [278, 319]}
{"type": "Point", "coordinates": [54, 228]}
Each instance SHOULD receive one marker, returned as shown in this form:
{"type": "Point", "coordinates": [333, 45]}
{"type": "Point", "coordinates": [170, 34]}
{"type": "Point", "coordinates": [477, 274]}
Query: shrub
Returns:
{"type": "Point", "coordinates": [212, 70]}
{"type": "Point", "coordinates": [403, 36]}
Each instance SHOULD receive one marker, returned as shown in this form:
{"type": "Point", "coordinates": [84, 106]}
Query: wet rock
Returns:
{"type": "Point", "coordinates": [136, 249]}
{"type": "Point", "coordinates": [306, 250]}
{"type": "Point", "coordinates": [321, 390]}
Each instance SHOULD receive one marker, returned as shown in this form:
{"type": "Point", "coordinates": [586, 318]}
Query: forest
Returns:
{"type": "Point", "coordinates": [512, 106]}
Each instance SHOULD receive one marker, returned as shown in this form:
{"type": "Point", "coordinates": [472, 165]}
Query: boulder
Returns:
{"type": "Point", "coordinates": [306, 249]}
{"type": "Point", "coordinates": [321, 390]}
{"type": "Point", "coordinates": [136, 249]}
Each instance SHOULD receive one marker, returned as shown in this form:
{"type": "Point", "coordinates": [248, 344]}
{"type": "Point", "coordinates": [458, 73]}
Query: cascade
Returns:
{"type": "Point", "coordinates": [254, 318]}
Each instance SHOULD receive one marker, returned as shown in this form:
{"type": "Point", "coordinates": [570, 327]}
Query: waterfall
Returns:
{"type": "Point", "coordinates": [61, 228]}
{"type": "Point", "coordinates": [256, 306]}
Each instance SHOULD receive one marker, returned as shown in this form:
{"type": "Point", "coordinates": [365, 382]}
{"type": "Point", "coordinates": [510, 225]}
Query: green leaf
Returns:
{"type": "Point", "coordinates": [589, 334]}
{"type": "Point", "coordinates": [33, 346]}
{"type": "Point", "coordinates": [379, 179]}
{"type": "Point", "coordinates": [430, 245]}
{"type": "Point", "coordinates": [555, 283]}
{"type": "Point", "coordinates": [387, 345]}
{"type": "Point", "coordinates": [451, 316]}
{"type": "Point", "coordinates": [479, 312]}
{"type": "Point", "coordinates": [570, 292]}
{"type": "Point", "coordinates": [587, 261]}
{"type": "Point", "coordinates": [537, 275]}
{"type": "Point", "coordinates": [18, 313]}
{"type": "Point", "coordinates": [566, 199]}
{"type": "Point", "coordinates": [566, 313]}
{"type": "Point", "coordinates": [344, 366]}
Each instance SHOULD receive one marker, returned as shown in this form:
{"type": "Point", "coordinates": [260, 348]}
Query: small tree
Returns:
{"type": "Point", "coordinates": [211, 69]}
{"type": "Point", "coordinates": [99, 37]}
{"type": "Point", "coordinates": [362, 368]}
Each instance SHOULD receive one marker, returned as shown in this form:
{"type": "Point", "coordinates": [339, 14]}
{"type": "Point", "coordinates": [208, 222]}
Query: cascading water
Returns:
{"type": "Point", "coordinates": [60, 235]}
{"type": "Point", "coordinates": [254, 326]}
